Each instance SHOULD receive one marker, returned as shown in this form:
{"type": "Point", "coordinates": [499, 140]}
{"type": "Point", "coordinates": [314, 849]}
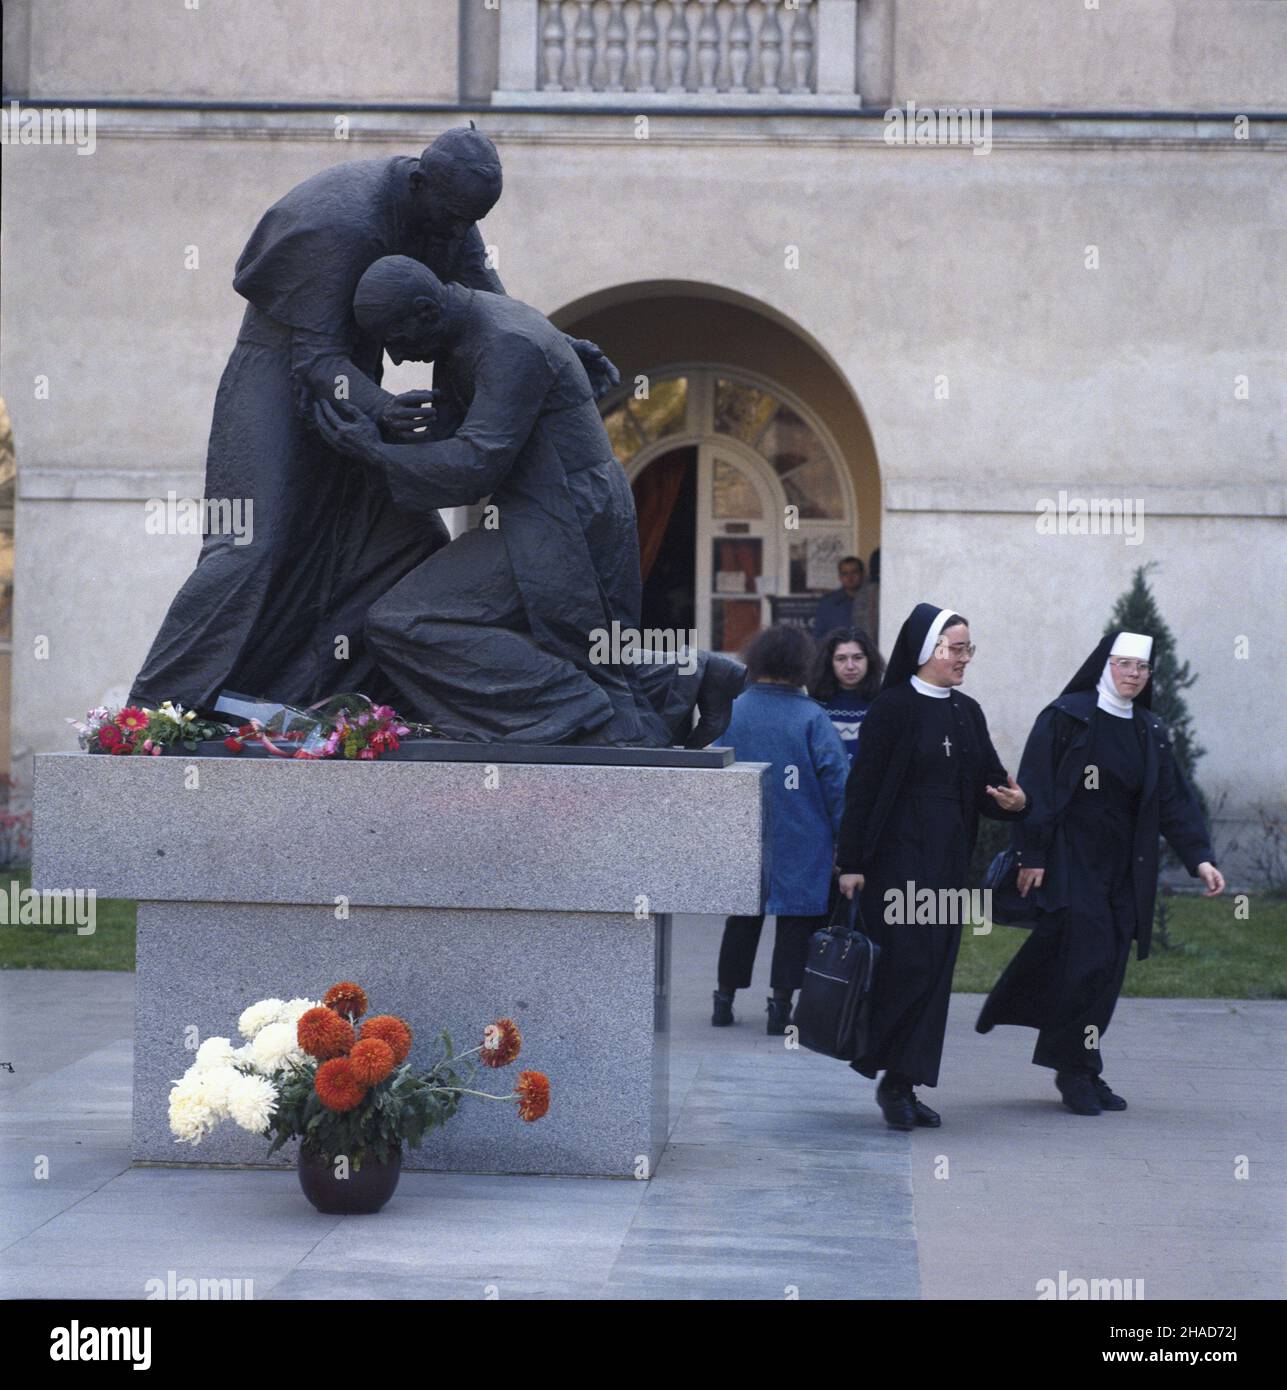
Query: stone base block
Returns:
{"type": "Point", "coordinates": [588, 990]}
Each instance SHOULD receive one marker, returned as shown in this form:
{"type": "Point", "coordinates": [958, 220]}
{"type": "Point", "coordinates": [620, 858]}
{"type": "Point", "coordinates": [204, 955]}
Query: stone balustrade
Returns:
{"type": "Point", "coordinates": [755, 53]}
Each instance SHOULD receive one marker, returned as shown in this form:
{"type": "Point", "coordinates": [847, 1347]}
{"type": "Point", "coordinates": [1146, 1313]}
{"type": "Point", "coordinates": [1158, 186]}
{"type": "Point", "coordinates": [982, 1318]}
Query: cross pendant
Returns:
{"type": "Point", "coordinates": [947, 745]}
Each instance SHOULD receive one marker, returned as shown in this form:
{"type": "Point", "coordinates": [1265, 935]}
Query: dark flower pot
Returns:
{"type": "Point", "coordinates": [361, 1193]}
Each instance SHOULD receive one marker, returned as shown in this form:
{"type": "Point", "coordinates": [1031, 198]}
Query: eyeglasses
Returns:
{"type": "Point", "coordinates": [955, 650]}
{"type": "Point", "coordinates": [1130, 668]}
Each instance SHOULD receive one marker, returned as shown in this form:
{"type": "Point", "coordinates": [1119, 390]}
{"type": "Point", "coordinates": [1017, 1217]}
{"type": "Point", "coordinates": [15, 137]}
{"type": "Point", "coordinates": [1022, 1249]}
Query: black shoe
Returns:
{"type": "Point", "coordinates": [925, 1117]}
{"type": "Point", "coordinates": [1108, 1100]}
{"type": "Point", "coordinates": [1078, 1092]}
{"type": "Point", "coordinates": [898, 1105]}
{"type": "Point", "coordinates": [722, 682]}
{"type": "Point", "coordinates": [722, 1013]}
{"type": "Point", "coordinates": [779, 1017]}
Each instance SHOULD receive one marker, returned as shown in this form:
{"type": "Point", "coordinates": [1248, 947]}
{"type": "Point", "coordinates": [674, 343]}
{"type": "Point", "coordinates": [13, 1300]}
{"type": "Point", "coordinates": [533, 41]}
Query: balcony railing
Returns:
{"type": "Point", "coordinates": [637, 53]}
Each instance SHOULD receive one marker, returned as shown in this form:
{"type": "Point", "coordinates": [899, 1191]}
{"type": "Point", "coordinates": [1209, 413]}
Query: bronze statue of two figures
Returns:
{"type": "Point", "coordinates": [350, 581]}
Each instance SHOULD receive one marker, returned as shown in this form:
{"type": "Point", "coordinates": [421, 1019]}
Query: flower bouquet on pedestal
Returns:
{"type": "Point", "coordinates": [147, 731]}
{"type": "Point", "coordinates": [342, 1084]}
{"type": "Point", "coordinates": [349, 726]}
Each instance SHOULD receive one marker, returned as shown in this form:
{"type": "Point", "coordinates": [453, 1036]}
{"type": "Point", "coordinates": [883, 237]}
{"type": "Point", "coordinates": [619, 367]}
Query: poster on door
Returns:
{"type": "Point", "coordinates": [822, 555]}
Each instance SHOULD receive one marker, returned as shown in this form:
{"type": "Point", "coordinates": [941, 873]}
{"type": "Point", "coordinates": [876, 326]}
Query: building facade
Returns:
{"type": "Point", "coordinates": [995, 287]}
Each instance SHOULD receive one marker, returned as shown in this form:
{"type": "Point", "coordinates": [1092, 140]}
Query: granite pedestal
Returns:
{"type": "Point", "coordinates": [454, 892]}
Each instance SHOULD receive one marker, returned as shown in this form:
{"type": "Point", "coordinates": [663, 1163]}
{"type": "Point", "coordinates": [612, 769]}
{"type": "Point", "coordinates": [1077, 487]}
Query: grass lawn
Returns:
{"type": "Point", "coordinates": [1212, 955]}
{"type": "Point", "coordinates": [109, 947]}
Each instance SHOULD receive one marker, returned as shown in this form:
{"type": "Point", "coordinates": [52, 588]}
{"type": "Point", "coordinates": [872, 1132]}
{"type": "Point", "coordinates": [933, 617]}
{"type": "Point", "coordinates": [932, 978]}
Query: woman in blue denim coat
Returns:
{"type": "Point", "coordinates": [776, 722]}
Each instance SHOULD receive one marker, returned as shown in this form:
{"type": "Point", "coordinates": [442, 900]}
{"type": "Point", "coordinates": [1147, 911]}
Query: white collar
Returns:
{"type": "Point", "coordinates": [935, 692]}
{"type": "Point", "coordinates": [1108, 699]}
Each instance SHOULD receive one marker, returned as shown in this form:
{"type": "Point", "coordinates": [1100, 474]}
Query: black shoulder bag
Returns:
{"type": "Point", "coordinates": [834, 1008]}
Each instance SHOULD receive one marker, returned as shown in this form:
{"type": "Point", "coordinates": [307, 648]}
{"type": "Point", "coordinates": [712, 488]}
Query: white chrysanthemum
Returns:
{"type": "Point", "coordinates": [294, 1009]}
{"type": "Point", "coordinates": [258, 1016]}
{"type": "Point", "coordinates": [214, 1052]}
{"type": "Point", "coordinates": [191, 1115]}
{"type": "Point", "coordinates": [208, 1086]}
{"type": "Point", "coordinates": [274, 1047]}
{"type": "Point", "coordinates": [190, 1121]}
{"type": "Point", "coordinates": [251, 1102]}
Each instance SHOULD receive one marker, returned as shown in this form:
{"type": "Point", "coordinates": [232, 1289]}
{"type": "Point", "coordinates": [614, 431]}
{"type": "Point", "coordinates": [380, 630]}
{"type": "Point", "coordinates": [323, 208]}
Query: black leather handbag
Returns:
{"type": "Point", "coordinates": [1009, 909]}
{"type": "Point", "coordinates": [834, 1008]}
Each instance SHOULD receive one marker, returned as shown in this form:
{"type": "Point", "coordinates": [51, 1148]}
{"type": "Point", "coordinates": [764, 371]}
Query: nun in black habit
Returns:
{"type": "Point", "coordinates": [924, 771]}
{"type": "Point", "coordinates": [1102, 782]}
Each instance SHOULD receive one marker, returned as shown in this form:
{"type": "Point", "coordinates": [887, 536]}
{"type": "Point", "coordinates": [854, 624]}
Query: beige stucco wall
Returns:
{"type": "Point", "coordinates": [914, 265]}
{"type": "Point", "coordinates": [1037, 604]}
{"type": "Point", "coordinates": [1164, 55]}
{"type": "Point", "coordinates": [233, 50]}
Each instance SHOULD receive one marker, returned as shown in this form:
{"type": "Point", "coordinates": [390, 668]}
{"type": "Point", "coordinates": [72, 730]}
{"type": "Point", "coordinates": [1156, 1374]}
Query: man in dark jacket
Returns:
{"type": "Point", "coordinates": [853, 604]}
{"type": "Point", "coordinates": [493, 637]}
{"type": "Point", "coordinates": [283, 616]}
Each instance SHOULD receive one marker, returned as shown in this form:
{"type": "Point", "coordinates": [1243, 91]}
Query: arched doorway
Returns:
{"type": "Point", "coordinates": [744, 501]}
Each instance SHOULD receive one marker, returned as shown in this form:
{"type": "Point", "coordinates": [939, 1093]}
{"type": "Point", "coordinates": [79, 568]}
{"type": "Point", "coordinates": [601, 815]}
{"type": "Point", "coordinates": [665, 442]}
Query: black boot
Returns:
{"type": "Point", "coordinates": [925, 1117]}
{"type": "Point", "coordinates": [896, 1104]}
{"type": "Point", "coordinates": [1078, 1092]}
{"type": "Point", "coordinates": [1108, 1100]}
{"type": "Point", "coordinates": [779, 1017]}
{"type": "Point", "coordinates": [722, 1013]}
{"type": "Point", "coordinates": [722, 682]}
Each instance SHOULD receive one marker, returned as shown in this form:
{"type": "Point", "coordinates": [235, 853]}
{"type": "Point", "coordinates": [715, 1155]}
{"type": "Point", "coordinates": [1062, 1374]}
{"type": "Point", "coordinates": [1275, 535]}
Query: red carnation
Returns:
{"type": "Point", "coordinates": [336, 1085]}
{"type": "Point", "coordinates": [108, 736]}
{"type": "Point", "coordinates": [322, 1033]}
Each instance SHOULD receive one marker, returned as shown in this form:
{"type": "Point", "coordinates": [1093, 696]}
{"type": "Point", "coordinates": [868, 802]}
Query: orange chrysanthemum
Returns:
{"type": "Point", "coordinates": [502, 1042]}
{"type": "Point", "coordinates": [532, 1091]}
{"type": "Point", "coordinates": [346, 998]}
{"type": "Point", "coordinates": [336, 1085]}
{"type": "Point", "coordinates": [392, 1030]}
{"type": "Point", "coordinates": [322, 1033]}
{"type": "Point", "coordinates": [372, 1060]}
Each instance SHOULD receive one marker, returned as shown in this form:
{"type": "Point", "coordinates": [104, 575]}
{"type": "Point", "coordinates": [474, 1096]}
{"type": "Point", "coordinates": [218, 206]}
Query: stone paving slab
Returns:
{"type": "Point", "coordinates": [1149, 1193]}
{"type": "Point", "coordinates": [780, 1179]}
